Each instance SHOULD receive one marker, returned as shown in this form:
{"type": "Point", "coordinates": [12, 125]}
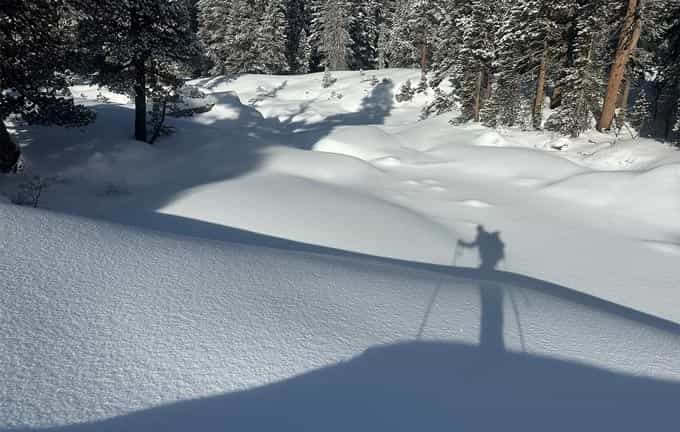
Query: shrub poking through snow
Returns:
{"type": "Point", "coordinates": [328, 79]}
{"type": "Point", "coordinates": [422, 85]}
{"type": "Point", "coordinates": [406, 92]}
{"type": "Point", "coordinates": [29, 192]}
{"type": "Point", "coordinates": [442, 103]}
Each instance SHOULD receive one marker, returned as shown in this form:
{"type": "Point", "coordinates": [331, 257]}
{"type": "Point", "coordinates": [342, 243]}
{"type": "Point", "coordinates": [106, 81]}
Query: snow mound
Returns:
{"type": "Point", "coordinates": [318, 213]}
{"type": "Point", "coordinates": [650, 196]}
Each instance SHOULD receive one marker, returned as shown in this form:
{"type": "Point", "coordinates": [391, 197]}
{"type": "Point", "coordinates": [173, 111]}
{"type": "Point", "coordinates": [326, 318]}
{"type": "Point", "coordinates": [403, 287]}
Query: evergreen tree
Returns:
{"type": "Point", "coordinates": [297, 29]}
{"type": "Point", "coordinates": [271, 41]}
{"type": "Point", "coordinates": [36, 52]}
{"type": "Point", "coordinates": [641, 112]}
{"type": "Point", "coordinates": [213, 16]}
{"type": "Point", "coordinates": [303, 54]}
{"type": "Point", "coordinates": [331, 26]}
{"type": "Point", "coordinates": [529, 45]}
{"type": "Point", "coordinates": [669, 60]}
{"type": "Point", "coordinates": [628, 37]}
{"type": "Point", "coordinates": [420, 23]}
{"type": "Point", "coordinates": [138, 46]}
{"type": "Point", "coordinates": [364, 32]}
{"type": "Point", "coordinates": [396, 46]}
{"type": "Point", "coordinates": [581, 79]}
{"type": "Point", "coordinates": [476, 55]}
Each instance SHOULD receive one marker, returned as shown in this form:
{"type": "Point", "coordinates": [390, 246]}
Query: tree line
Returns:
{"type": "Point", "coordinates": [561, 65]}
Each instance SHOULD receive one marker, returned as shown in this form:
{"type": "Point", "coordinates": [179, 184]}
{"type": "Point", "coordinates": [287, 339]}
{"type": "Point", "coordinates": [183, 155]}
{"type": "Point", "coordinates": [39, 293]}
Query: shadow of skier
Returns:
{"type": "Point", "coordinates": [491, 252]}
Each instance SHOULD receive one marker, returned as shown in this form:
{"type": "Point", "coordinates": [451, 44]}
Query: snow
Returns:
{"type": "Point", "coordinates": [288, 260]}
{"type": "Point", "coordinates": [114, 328]}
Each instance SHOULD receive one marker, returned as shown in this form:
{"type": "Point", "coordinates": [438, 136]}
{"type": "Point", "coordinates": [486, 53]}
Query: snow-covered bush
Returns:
{"type": "Point", "coordinates": [406, 92]}
{"type": "Point", "coordinates": [28, 193]}
{"type": "Point", "coordinates": [422, 85]}
{"type": "Point", "coordinates": [101, 98]}
{"type": "Point", "coordinates": [328, 79]}
{"type": "Point", "coordinates": [443, 102]}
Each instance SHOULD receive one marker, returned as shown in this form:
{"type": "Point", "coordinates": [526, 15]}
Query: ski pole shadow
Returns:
{"type": "Point", "coordinates": [491, 251]}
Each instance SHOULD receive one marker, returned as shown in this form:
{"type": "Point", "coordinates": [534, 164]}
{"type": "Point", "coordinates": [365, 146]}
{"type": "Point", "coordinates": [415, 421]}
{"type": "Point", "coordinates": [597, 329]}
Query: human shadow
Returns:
{"type": "Point", "coordinates": [491, 252]}
{"type": "Point", "coordinates": [424, 386]}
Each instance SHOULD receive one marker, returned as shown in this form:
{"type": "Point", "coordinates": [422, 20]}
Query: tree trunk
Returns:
{"type": "Point", "coordinates": [477, 98]}
{"type": "Point", "coordinates": [628, 40]}
{"type": "Point", "coordinates": [537, 114]}
{"type": "Point", "coordinates": [423, 59]}
{"type": "Point", "coordinates": [140, 100]}
{"type": "Point", "coordinates": [625, 94]}
{"type": "Point", "coordinates": [9, 151]}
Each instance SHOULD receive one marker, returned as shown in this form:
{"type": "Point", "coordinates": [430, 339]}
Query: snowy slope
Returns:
{"type": "Point", "coordinates": [348, 168]}
{"type": "Point", "coordinates": [112, 328]}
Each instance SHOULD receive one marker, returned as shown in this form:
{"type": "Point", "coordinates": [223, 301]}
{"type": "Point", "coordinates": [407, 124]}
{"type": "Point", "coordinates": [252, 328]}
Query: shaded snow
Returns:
{"type": "Point", "coordinates": [110, 328]}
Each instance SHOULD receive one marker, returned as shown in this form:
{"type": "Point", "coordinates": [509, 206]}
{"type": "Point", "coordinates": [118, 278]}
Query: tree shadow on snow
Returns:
{"type": "Point", "coordinates": [228, 145]}
{"type": "Point", "coordinates": [431, 385]}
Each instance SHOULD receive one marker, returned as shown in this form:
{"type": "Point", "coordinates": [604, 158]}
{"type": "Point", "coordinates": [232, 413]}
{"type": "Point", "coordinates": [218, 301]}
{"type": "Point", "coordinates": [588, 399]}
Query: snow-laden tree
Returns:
{"type": "Point", "coordinates": [529, 45]}
{"type": "Point", "coordinates": [213, 16]}
{"type": "Point", "coordinates": [303, 54]}
{"type": "Point", "coordinates": [271, 39]}
{"type": "Point", "coordinates": [476, 55]}
{"type": "Point", "coordinates": [364, 32]}
{"type": "Point", "coordinates": [581, 80]}
{"type": "Point", "coordinates": [641, 113]}
{"type": "Point", "coordinates": [138, 46]}
{"type": "Point", "coordinates": [297, 35]}
{"type": "Point", "coordinates": [229, 30]}
{"type": "Point", "coordinates": [669, 71]}
{"type": "Point", "coordinates": [331, 24]}
{"type": "Point", "coordinates": [395, 47]}
{"type": "Point", "coordinates": [36, 53]}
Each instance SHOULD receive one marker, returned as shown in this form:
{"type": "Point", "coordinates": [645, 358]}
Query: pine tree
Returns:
{"type": "Point", "coordinates": [303, 54]}
{"type": "Point", "coordinates": [476, 55]}
{"type": "Point", "coordinates": [364, 32]}
{"type": "Point", "coordinates": [581, 79]}
{"type": "Point", "coordinates": [396, 48]}
{"type": "Point", "coordinates": [139, 46]}
{"type": "Point", "coordinates": [36, 52]}
{"type": "Point", "coordinates": [331, 26]}
{"type": "Point", "coordinates": [420, 22]}
{"type": "Point", "coordinates": [641, 112]}
{"type": "Point", "coordinates": [298, 21]}
{"type": "Point", "coordinates": [271, 40]}
{"type": "Point", "coordinates": [233, 33]}
{"type": "Point", "coordinates": [628, 37]}
{"type": "Point", "coordinates": [213, 15]}
{"type": "Point", "coordinates": [529, 45]}
{"type": "Point", "coordinates": [669, 60]}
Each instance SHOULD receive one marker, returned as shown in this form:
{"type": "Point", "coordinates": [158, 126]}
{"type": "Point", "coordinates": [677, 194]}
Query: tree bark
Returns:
{"type": "Point", "coordinates": [423, 59]}
{"type": "Point", "coordinates": [556, 99]}
{"type": "Point", "coordinates": [625, 94]}
{"type": "Point", "coordinates": [477, 99]}
{"type": "Point", "coordinates": [140, 100]}
{"type": "Point", "coordinates": [9, 151]}
{"type": "Point", "coordinates": [537, 114]}
{"type": "Point", "coordinates": [628, 40]}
